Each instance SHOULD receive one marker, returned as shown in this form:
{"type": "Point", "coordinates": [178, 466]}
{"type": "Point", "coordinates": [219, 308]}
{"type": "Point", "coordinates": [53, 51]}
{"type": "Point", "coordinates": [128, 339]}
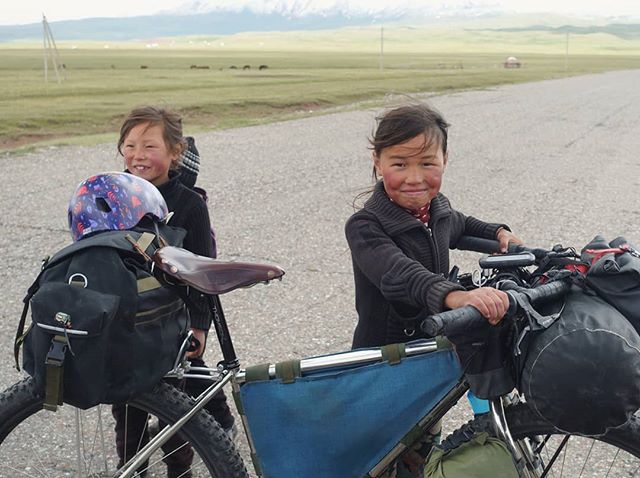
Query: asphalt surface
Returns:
{"type": "Point", "coordinates": [557, 160]}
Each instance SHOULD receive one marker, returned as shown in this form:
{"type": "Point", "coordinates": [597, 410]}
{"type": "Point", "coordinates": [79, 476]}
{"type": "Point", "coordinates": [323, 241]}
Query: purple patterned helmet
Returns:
{"type": "Point", "coordinates": [113, 201]}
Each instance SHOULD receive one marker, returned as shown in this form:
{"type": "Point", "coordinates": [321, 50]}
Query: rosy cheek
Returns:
{"type": "Point", "coordinates": [435, 180]}
{"type": "Point", "coordinates": [391, 180]}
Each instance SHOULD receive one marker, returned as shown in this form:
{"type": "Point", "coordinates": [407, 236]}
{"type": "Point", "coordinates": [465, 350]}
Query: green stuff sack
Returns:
{"type": "Point", "coordinates": [480, 457]}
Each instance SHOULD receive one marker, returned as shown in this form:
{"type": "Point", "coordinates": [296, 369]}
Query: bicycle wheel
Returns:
{"type": "Point", "coordinates": [615, 454]}
{"type": "Point", "coordinates": [81, 443]}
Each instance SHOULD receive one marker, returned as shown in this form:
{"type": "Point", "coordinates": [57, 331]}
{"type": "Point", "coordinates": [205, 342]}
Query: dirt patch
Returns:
{"type": "Point", "coordinates": [8, 144]}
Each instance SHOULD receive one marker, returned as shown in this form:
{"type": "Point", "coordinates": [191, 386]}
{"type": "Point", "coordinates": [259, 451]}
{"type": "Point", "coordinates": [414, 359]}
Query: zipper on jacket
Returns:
{"type": "Point", "coordinates": [436, 257]}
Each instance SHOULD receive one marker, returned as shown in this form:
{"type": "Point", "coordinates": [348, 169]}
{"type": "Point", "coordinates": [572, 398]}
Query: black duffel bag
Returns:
{"type": "Point", "coordinates": [582, 373]}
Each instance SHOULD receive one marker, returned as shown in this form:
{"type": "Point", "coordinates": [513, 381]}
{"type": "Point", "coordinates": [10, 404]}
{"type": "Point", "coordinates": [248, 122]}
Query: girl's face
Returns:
{"type": "Point", "coordinates": [147, 155]}
{"type": "Point", "coordinates": [412, 175]}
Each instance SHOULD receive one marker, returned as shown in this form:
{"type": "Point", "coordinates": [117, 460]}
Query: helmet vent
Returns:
{"type": "Point", "coordinates": [102, 205]}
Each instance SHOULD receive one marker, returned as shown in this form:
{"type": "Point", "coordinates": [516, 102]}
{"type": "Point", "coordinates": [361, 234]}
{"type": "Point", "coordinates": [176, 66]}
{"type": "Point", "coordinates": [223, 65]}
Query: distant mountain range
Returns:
{"type": "Point", "coordinates": [196, 18]}
{"type": "Point", "coordinates": [627, 31]}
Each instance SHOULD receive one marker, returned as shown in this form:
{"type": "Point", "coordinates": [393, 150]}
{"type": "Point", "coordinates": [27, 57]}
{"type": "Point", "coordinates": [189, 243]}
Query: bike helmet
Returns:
{"type": "Point", "coordinates": [113, 201]}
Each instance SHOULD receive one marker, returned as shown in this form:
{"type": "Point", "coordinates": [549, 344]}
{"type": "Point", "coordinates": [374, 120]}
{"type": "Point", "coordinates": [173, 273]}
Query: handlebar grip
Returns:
{"type": "Point", "coordinates": [458, 321]}
{"type": "Point", "coordinates": [485, 246]}
{"type": "Point", "coordinates": [547, 292]}
{"type": "Point", "coordinates": [452, 322]}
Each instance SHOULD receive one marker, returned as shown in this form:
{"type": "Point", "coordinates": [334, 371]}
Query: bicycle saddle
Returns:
{"type": "Point", "coordinates": [212, 276]}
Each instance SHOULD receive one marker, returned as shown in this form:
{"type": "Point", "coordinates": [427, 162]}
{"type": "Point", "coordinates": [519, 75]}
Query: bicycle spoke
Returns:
{"type": "Point", "coordinates": [587, 459]}
{"type": "Point", "coordinates": [612, 462]}
{"type": "Point", "coordinates": [555, 456]}
{"type": "Point", "coordinates": [564, 456]}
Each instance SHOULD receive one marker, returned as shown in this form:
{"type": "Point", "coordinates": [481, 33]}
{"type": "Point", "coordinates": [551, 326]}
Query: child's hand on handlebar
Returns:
{"type": "Point", "coordinates": [505, 237]}
{"type": "Point", "coordinates": [491, 303]}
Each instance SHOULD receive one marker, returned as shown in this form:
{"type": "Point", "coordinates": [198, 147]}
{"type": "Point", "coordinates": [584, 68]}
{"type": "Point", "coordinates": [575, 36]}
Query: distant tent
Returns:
{"type": "Point", "coordinates": [512, 62]}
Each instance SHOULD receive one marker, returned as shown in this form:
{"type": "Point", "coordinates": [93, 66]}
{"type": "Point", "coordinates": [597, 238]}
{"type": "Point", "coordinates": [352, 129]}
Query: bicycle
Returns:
{"type": "Point", "coordinates": [27, 448]}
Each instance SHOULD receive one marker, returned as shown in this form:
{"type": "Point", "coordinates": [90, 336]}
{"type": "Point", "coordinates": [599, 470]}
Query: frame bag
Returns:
{"type": "Point", "coordinates": [103, 328]}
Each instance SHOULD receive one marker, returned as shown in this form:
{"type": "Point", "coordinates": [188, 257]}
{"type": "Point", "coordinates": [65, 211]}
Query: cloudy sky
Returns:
{"type": "Point", "coordinates": [30, 11]}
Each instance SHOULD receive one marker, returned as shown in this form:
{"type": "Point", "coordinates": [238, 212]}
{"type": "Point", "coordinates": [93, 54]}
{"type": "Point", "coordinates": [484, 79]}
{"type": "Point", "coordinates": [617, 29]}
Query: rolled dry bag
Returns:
{"type": "Point", "coordinates": [582, 374]}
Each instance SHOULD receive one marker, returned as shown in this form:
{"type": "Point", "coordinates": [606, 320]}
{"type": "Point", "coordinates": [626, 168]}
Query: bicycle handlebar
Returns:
{"type": "Point", "coordinates": [490, 246]}
{"type": "Point", "coordinates": [457, 321]}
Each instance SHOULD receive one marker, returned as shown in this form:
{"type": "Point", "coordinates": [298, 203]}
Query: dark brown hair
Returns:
{"type": "Point", "coordinates": [400, 124]}
{"type": "Point", "coordinates": [171, 126]}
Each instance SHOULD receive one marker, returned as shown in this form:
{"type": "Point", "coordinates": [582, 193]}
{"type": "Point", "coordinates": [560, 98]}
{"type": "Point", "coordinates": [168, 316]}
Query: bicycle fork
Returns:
{"type": "Point", "coordinates": [527, 463]}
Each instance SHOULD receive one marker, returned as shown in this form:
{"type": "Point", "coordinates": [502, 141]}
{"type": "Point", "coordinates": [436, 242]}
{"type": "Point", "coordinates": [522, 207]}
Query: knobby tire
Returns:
{"type": "Point", "coordinates": [21, 402]}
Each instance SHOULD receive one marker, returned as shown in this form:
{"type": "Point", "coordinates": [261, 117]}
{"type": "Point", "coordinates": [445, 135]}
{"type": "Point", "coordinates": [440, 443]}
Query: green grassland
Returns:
{"type": "Point", "coordinates": [308, 72]}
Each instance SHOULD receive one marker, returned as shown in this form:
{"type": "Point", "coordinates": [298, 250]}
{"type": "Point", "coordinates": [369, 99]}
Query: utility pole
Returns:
{"type": "Point", "coordinates": [50, 52]}
{"type": "Point", "coordinates": [381, 48]}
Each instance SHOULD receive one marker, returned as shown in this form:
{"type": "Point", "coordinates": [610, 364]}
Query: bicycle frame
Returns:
{"type": "Point", "coordinates": [229, 371]}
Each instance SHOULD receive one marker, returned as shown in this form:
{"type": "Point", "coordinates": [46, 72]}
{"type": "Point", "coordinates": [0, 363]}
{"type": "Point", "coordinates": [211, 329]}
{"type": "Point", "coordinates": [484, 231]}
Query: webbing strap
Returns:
{"type": "Point", "coordinates": [20, 335]}
{"type": "Point", "coordinates": [288, 370]}
{"type": "Point", "coordinates": [148, 283]}
{"type": "Point", "coordinates": [443, 343]}
{"type": "Point", "coordinates": [145, 240]}
{"type": "Point", "coordinates": [257, 373]}
{"type": "Point", "coordinates": [393, 353]}
{"type": "Point", "coordinates": [413, 436]}
{"type": "Point", "coordinates": [54, 376]}
{"type": "Point", "coordinates": [238, 401]}
{"type": "Point", "coordinates": [256, 464]}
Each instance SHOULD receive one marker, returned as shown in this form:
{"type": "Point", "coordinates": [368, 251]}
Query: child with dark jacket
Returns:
{"type": "Point", "coordinates": [151, 143]}
{"type": "Point", "coordinates": [400, 239]}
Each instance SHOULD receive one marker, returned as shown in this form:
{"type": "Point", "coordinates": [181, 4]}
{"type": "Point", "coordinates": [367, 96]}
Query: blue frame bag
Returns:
{"type": "Point", "coordinates": [340, 421]}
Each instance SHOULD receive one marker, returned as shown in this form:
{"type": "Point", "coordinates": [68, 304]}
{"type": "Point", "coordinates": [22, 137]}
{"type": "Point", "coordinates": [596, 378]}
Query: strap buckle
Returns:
{"type": "Point", "coordinates": [55, 356]}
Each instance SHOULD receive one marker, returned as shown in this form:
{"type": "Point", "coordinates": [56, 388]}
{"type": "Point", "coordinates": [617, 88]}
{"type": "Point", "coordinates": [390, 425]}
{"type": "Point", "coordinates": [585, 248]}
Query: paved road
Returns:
{"type": "Point", "coordinates": [557, 160]}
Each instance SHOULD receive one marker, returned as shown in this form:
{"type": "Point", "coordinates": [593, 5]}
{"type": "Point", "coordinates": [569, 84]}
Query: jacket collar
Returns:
{"type": "Point", "coordinates": [395, 219]}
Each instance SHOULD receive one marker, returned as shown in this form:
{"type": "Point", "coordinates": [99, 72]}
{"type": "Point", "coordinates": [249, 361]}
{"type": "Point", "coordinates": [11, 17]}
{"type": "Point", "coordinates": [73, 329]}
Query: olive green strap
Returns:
{"type": "Point", "coordinates": [54, 375]}
{"type": "Point", "coordinates": [257, 373]}
{"type": "Point", "coordinates": [145, 240]}
{"type": "Point", "coordinates": [20, 333]}
{"type": "Point", "coordinates": [256, 464]}
{"type": "Point", "coordinates": [288, 370]}
{"type": "Point", "coordinates": [443, 343]}
{"type": "Point", "coordinates": [237, 399]}
{"type": "Point", "coordinates": [393, 353]}
{"type": "Point", "coordinates": [148, 283]}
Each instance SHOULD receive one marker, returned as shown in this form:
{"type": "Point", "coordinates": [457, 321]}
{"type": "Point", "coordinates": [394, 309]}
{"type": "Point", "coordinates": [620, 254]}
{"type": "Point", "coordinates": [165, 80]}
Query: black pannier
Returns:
{"type": "Point", "coordinates": [582, 373]}
{"type": "Point", "coordinates": [615, 275]}
{"type": "Point", "coordinates": [103, 328]}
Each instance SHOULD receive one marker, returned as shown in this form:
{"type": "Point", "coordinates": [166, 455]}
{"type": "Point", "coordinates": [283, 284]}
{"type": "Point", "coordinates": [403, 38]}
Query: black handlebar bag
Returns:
{"type": "Point", "coordinates": [582, 373]}
{"type": "Point", "coordinates": [486, 358]}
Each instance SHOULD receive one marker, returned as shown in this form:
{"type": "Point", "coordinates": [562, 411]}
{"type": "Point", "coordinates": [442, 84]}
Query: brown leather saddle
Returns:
{"type": "Point", "coordinates": [212, 276]}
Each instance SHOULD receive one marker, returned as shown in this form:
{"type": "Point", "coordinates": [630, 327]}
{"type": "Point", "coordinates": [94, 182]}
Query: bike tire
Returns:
{"type": "Point", "coordinates": [524, 422]}
{"type": "Point", "coordinates": [21, 404]}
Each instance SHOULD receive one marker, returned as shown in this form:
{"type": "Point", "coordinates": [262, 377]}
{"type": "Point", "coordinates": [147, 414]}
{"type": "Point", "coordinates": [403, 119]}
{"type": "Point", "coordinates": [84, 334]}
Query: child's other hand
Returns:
{"type": "Point", "coordinates": [491, 303]}
{"type": "Point", "coordinates": [200, 335]}
{"type": "Point", "coordinates": [505, 237]}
